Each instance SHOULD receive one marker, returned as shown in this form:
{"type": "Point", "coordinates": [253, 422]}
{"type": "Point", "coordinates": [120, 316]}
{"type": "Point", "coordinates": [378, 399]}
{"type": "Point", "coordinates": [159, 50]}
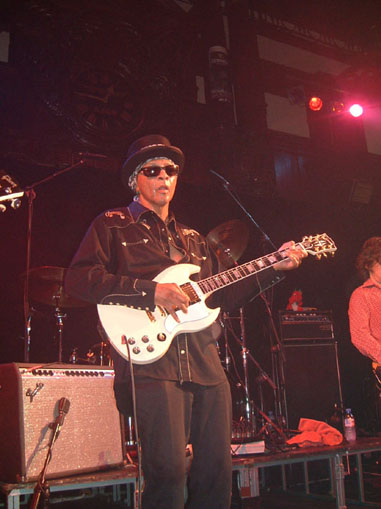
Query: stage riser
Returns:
{"type": "Point", "coordinates": [91, 437]}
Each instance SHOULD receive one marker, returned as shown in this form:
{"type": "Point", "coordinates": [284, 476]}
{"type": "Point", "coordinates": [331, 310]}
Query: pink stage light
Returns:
{"type": "Point", "coordinates": [356, 110]}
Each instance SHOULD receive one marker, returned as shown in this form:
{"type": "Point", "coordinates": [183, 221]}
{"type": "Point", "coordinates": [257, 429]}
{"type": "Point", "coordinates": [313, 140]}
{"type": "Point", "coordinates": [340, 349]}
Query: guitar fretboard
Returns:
{"type": "Point", "coordinates": [234, 274]}
{"type": "Point", "coordinates": [317, 245]}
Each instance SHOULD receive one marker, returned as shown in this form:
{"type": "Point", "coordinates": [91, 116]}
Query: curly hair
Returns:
{"type": "Point", "coordinates": [370, 253]}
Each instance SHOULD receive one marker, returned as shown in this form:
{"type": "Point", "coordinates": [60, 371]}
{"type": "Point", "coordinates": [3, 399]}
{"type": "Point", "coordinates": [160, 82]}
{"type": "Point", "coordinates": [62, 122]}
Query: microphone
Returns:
{"type": "Point", "coordinates": [226, 183]}
{"type": "Point", "coordinates": [91, 155]}
{"type": "Point", "coordinates": [63, 408]}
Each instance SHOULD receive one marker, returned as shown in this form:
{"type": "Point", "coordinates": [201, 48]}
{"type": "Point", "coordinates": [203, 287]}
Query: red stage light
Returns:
{"type": "Point", "coordinates": [356, 110]}
{"type": "Point", "coordinates": [315, 103]}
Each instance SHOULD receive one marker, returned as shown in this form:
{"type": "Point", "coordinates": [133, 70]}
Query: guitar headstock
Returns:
{"type": "Point", "coordinates": [319, 245]}
{"type": "Point", "coordinates": [10, 191]}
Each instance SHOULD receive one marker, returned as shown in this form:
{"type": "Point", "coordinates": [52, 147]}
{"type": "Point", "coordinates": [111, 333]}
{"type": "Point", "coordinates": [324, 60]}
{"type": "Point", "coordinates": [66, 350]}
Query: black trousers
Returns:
{"type": "Point", "coordinates": [169, 416]}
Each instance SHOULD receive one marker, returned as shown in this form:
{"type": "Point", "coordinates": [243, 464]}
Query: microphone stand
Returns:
{"type": "Point", "coordinates": [227, 186]}
{"type": "Point", "coordinates": [245, 353]}
{"type": "Point", "coordinates": [31, 195]}
{"type": "Point", "coordinates": [42, 487]}
{"type": "Point", "coordinates": [278, 359]}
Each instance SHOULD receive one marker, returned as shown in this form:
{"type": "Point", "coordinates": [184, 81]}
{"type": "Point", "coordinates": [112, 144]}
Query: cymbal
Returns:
{"type": "Point", "coordinates": [229, 241]}
{"type": "Point", "coordinates": [46, 286]}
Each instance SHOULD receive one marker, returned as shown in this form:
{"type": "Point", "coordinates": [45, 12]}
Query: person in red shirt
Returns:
{"type": "Point", "coordinates": [365, 302]}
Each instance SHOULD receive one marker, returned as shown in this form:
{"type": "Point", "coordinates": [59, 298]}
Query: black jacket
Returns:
{"type": "Point", "coordinates": [123, 250]}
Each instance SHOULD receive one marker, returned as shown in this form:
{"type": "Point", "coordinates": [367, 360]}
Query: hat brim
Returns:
{"type": "Point", "coordinates": [168, 151]}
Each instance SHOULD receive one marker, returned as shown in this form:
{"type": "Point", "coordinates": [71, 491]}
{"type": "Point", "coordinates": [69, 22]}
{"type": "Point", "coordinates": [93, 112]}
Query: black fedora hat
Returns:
{"type": "Point", "coordinates": [146, 147]}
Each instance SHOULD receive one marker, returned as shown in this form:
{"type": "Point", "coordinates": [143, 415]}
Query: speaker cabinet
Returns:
{"type": "Point", "coordinates": [91, 437]}
{"type": "Point", "coordinates": [312, 381]}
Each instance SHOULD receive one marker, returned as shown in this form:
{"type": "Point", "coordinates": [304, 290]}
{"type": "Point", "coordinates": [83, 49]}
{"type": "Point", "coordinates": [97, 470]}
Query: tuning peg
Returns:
{"type": "Point", "coordinates": [15, 203]}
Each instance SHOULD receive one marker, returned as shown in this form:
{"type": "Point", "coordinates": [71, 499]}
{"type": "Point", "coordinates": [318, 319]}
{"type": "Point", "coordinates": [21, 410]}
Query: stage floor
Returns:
{"type": "Point", "coordinates": [304, 478]}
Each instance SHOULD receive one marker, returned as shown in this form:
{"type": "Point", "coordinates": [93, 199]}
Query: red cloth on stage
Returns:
{"type": "Point", "coordinates": [315, 433]}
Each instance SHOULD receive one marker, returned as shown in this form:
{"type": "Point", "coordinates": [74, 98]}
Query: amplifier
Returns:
{"type": "Point", "coordinates": [91, 437]}
{"type": "Point", "coordinates": [306, 325]}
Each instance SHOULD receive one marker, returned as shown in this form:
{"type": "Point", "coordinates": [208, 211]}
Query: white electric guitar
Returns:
{"type": "Point", "coordinates": [147, 335]}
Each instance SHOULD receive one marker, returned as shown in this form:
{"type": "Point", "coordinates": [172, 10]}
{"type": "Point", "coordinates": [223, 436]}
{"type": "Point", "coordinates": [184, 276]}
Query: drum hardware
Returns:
{"type": "Point", "coordinates": [271, 430]}
{"type": "Point", "coordinates": [60, 325]}
{"type": "Point", "coordinates": [98, 354]}
{"type": "Point", "coordinates": [229, 241]}
{"type": "Point", "coordinates": [73, 359]}
{"type": "Point", "coordinates": [246, 428]}
{"type": "Point", "coordinates": [277, 362]}
{"type": "Point", "coordinates": [30, 193]}
{"type": "Point", "coordinates": [46, 286]}
{"type": "Point", "coordinates": [76, 359]}
{"type": "Point", "coordinates": [265, 239]}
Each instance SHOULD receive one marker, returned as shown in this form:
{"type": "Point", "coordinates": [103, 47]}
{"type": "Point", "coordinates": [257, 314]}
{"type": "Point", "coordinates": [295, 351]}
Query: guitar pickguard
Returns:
{"type": "Point", "coordinates": [148, 335]}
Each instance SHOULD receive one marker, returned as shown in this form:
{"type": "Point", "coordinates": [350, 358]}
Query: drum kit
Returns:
{"type": "Point", "coordinates": [46, 287]}
{"type": "Point", "coordinates": [229, 241]}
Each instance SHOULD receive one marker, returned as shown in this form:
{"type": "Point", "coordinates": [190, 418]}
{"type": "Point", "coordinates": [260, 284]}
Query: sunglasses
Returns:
{"type": "Point", "coordinates": [172, 170]}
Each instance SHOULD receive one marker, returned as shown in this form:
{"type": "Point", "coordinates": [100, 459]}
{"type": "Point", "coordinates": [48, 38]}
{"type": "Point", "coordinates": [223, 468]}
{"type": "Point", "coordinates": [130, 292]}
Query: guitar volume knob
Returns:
{"type": "Point", "coordinates": [145, 339]}
{"type": "Point", "coordinates": [131, 341]}
{"type": "Point", "coordinates": [150, 348]}
{"type": "Point", "coordinates": [136, 350]}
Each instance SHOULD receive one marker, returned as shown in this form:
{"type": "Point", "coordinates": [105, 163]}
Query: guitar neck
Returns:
{"type": "Point", "coordinates": [316, 245]}
{"type": "Point", "coordinates": [235, 274]}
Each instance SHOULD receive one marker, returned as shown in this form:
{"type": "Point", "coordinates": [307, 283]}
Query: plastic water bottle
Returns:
{"type": "Point", "coordinates": [349, 426]}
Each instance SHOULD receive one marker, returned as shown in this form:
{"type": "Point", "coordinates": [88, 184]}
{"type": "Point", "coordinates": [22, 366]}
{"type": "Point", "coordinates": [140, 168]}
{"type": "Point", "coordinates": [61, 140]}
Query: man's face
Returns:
{"type": "Point", "coordinates": [156, 191]}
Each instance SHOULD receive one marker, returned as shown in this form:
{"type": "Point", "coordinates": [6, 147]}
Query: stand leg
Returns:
{"type": "Point", "coordinates": [339, 482]}
{"type": "Point", "coordinates": [28, 329]}
{"type": "Point", "coordinates": [60, 326]}
{"type": "Point", "coordinates": [249, 405]}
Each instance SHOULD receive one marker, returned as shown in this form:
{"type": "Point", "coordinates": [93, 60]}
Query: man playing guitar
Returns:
{"type": "Point", "coordinates": [184, 395]}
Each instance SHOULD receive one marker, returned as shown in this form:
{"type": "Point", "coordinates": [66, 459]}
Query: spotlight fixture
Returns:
{"type": "Point", "coordinates": [356, 110]}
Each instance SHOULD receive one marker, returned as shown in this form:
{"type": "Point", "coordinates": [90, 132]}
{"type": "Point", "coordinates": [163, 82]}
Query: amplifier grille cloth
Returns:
{"type": "Point", "coordinates": [91, 436]}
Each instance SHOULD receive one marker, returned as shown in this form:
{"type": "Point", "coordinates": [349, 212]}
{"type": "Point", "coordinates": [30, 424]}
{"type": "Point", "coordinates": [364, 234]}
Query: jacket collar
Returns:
{"type": "Point", "coordinates": [138, 211]}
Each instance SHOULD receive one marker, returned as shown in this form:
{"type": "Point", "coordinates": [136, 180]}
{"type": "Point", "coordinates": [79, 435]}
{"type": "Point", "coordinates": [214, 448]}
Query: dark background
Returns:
{"type": "Point", "coordinates": [143, 57]}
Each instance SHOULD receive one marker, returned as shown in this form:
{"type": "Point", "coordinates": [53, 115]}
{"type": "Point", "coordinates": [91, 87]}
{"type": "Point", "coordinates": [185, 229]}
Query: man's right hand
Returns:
{"type": "Point", "coordinates": [172, 298]}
